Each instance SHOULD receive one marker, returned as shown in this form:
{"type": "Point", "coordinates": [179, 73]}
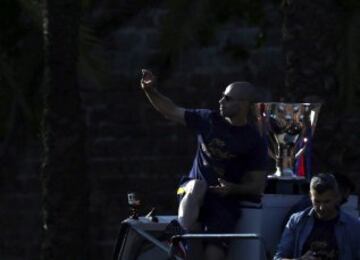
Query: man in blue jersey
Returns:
{"type": "Point", "coordinates": [229, 165]}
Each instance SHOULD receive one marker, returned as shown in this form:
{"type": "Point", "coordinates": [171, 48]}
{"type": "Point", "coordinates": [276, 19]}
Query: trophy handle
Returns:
{"type": "Point", "coordinates": [301, 151]}
{"type": "Point", "coordinates": [271, 154]}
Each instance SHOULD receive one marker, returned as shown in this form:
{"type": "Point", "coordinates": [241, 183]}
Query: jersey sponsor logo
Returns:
{"type": "Point", "coordinates": [216, 149]}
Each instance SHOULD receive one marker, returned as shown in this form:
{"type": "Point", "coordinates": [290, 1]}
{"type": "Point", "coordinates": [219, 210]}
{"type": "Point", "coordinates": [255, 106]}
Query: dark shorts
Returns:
{"type": "Point", "coordinates": [219, 214]}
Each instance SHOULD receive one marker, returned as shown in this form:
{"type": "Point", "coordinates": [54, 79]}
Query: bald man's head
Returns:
{"type": "Point", "coordinates": [242, 90]}
{"type": "Point", "coordinates": [236, 101]}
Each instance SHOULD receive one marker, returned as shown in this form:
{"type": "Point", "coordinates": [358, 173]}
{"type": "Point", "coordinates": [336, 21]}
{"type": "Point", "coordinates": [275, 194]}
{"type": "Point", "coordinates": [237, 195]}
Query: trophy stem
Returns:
{"type": "Point", "coordinates": [284, 166]}
{"type": "Point", "coordinates": [277, 173]}
{"type": "Point", "coordinates": [279, 164]}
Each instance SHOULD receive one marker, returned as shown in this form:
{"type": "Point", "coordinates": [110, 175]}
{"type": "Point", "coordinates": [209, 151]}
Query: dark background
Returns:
{"type": "Point", "coordinates": [292, 50]}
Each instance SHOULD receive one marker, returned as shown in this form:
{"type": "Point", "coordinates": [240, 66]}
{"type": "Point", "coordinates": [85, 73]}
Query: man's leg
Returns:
{"type": "Point", "coordinates": [190, 204]}
{"type": "Point", "coordinates": [219, 216]}
{"type": "Point", "coordinates": [213, 252]}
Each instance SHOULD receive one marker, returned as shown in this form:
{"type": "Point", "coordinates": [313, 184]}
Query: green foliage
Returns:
{"type": "Point", "coordinates": [350, 5]}
{"type": "Point", "coordinates": [90, 64]}
{"type": "Point", "coordinates": [20, 58]}
{"type": "Point", "coordinates": [11, 29]}
{"type": "Point", "coordinates": [251, 11]}
{"type": "Point", "coordinates": [237, 52]}
{"type": "Point", "coordinates": [349, 63]}
{"type": "Point", "coordinates": [21, 63]}
{"type": "Point", "coordinates": [196, 22]}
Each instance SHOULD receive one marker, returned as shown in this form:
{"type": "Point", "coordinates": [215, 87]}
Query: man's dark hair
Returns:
{"type": "Point", "coordinates": [324, 182]}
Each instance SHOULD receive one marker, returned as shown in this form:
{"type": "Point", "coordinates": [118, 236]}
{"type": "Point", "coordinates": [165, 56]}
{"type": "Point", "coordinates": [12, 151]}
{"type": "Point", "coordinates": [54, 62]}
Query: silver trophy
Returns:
{"type": "Point", "coordinates": [288, 127]}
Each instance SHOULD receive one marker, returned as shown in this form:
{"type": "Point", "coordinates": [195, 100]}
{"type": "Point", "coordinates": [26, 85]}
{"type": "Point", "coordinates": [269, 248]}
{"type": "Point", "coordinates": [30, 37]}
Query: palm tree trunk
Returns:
{"type": "Point", "coordinates": [64, 176]}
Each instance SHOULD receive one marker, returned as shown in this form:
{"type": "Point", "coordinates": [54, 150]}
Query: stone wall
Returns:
{"type": "Point", "coordinates": [20, 203]}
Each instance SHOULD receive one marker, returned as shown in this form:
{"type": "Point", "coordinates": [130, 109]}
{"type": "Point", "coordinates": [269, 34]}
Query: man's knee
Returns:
{"type": "Point", "coordinates": [190, 204]}
{"type": "Point", "coordinates": [196, 188]}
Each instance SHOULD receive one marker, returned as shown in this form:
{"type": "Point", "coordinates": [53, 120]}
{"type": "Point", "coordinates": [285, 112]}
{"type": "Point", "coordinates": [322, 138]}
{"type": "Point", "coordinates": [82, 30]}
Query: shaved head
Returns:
{"type": "Point", "coordinates": [235, 103]}
{"type": "Point", "coordinates": [242, 90]}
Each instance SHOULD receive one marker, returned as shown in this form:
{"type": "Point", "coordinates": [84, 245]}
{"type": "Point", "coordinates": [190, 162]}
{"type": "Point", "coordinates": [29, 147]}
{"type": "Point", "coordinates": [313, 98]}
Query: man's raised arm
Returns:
{"type": "Point", "coordinates": [161, 103]}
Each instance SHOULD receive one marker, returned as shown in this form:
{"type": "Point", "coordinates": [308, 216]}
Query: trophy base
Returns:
{"type": "Point", "coordinates": [273, 176]}
{"type": "Point", "coordinates": [285, 174]}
